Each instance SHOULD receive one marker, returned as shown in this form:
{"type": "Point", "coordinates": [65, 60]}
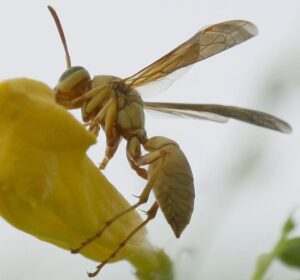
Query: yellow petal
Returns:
{"type": "Point", "coordinates": [49, 188]}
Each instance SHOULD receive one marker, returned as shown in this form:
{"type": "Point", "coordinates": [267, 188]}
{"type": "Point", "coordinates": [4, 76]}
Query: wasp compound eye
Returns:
{"type": "Point", "coordinates": [71, 78]}
{"type": "Point", "coordinates": [73, 83]}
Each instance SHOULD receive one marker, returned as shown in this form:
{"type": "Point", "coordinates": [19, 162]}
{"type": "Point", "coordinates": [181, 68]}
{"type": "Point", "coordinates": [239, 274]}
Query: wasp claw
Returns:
{"type": "Point", "coordinates": [92, 274]}
{"type": "Point", "coordinates": [74, 251]}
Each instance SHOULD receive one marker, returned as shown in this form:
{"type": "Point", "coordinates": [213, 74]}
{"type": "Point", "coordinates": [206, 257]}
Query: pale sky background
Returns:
{"type": "Point", "coordinates": [246, 178]}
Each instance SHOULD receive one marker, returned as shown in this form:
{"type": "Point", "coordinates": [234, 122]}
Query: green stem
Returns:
{"type": "Point", "coordinates": [266, 260]}
{"type": "Point", "coordinates": [153, 264]}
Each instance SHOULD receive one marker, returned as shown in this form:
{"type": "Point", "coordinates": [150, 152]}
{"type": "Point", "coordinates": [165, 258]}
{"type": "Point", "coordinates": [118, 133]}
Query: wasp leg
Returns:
{"type": "Point", "coordinates": [150, 158]}
{"type": "Point", "coordinates": [143, 198]}
{"type": "Point", "coordinates": [95, 123]}
{"type": "Point", "coordinates": [78, 101]}
{"type": "Point", "coordinates": [97, 97]}
{"type": "Point", "coordinates": [111, 148]}
{"type": "Point", "coordinates": [133, 152]}
{"type": "Point", "coordinates": [94, 92]}
{"type": "Point", "coordinates": [94, 127]}
{"type": "Point", "coordinates": [151, 213]}
{"type": "Point", "coordinates": [111, 140]}
{"type": "Point", "coordinates": [140, 171]}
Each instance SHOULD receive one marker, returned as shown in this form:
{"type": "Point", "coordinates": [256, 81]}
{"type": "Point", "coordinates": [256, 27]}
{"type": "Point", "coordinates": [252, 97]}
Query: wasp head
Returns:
{"type": "Point", "coordinates": [73, 83]}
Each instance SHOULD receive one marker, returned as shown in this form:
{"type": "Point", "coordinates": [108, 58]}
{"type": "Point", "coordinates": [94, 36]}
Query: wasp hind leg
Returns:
{"type": "Point", "coordinates": [133, 152]}
{"type": "Point", "coordinates": [143, 198]}
{"type": "Point", "coordinates": [151, 213]}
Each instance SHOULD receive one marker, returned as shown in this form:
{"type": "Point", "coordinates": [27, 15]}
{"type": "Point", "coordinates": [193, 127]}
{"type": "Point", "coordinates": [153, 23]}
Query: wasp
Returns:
{"type": "Point", "coordinates": [115, 105]}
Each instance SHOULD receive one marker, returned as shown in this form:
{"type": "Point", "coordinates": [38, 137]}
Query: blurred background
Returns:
{"type": "Point", "coordinates": [246, 177]}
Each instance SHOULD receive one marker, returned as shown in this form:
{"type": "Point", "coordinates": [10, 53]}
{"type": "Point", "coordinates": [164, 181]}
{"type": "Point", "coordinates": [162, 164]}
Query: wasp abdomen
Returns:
{"type": "Point", "coordinates": [174, 188]}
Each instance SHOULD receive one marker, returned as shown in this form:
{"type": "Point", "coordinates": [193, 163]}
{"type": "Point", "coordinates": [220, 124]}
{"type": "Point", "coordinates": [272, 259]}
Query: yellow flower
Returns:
{"type": "Point", "coordinates": [50, 189]}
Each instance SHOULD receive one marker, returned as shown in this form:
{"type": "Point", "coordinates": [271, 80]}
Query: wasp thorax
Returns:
{"type": "Point", "coordinates": [73, 83]}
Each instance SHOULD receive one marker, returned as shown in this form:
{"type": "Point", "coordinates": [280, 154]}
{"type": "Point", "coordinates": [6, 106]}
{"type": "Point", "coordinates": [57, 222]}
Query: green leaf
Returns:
{"type": "Point", "coordinates": [282, 245]}
{"type": "Point", "coordinates": [288, 226]}
{"type": "Point", "coordinates": [290, 253]}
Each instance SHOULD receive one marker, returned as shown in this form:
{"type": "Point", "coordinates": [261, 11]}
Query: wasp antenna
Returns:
{"type": "Point", "coordinates": [61, 34]}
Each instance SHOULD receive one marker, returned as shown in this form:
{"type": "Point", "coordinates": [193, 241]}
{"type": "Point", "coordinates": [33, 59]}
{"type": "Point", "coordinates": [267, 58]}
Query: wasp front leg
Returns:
{"type": "Point", "coordinates": [112, 135]}
{"type": "Point", "coordinates": [99, 98]}
{"type": "Point", "coordinates": [107, 117]}
{"type": "Point", "coordinates": [72, 98]}
{"type": "Point", "coordinates": [112, 145]}
{"type": "Point", "coordinates": [96, 121]}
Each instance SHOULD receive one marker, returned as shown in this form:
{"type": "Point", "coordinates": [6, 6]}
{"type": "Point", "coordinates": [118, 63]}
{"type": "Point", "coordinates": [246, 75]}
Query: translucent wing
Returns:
{"type": "Point", "coordinates": [183, 113]}
{"type": "Point", "coordinates": [246, 115]}
{"type": "Point", "coordinates": [156, 87]}
{"type": "Point", "coordinates": [207, 42]}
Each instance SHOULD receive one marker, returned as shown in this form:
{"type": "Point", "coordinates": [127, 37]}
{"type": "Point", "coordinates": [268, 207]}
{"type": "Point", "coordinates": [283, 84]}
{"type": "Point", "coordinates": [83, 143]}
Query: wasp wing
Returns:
{"type": "Point", "coordinates": [211, 111]}
{"type": "Point", "coordinates": [182, 113]}
{"type": "Point", "coordinates": [156, 87]}
{"type": "Point", "coordinates": [207, 42]}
